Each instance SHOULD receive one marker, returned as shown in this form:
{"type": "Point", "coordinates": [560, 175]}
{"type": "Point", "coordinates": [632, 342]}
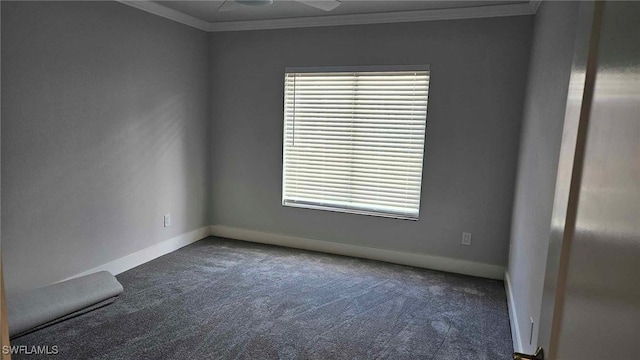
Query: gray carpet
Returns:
{"type": "Point", "coordinates": [226, 299]}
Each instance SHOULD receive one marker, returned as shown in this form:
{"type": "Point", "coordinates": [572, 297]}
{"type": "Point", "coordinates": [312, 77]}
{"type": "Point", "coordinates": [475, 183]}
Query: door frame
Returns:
{"type": "Point", "coordinates": [569, 176]}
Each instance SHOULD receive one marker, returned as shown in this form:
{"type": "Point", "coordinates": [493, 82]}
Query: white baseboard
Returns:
{"type": "Point", "coordinates": [397, 257]}
{"type": "Point", "coordinates": [392, 256]}
{"type": "Point", "coordinates": [147, 254]}
{"type": "Point", "coordinates": [513, 318]}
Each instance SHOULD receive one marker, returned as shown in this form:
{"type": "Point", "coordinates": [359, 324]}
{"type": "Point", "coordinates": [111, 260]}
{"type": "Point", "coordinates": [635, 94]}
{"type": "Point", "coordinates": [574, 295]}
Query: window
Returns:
{"type": "Point", "coordinates": [354, 139]}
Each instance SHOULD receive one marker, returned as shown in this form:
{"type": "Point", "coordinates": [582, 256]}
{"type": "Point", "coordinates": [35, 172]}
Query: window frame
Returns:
{"type": "Point", "coordinates": [347, 210]}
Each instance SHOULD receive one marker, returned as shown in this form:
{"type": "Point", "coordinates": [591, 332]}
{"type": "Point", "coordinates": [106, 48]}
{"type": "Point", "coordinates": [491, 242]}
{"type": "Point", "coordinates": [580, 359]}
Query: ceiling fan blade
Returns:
{"type": "Point", "coordinates": [229, 5]}
{"type": "Point", "coordinates": [326, 5]}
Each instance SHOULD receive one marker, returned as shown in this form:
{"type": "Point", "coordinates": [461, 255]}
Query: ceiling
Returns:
{"type": "Point", "coordinates": [204, 14]}
{"type": "Point", "coordinates": [286, 9]}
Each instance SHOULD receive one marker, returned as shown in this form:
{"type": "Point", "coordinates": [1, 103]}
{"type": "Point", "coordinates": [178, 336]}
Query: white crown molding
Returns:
{"type": "Point", "coordinates": [434, 262]}
{"type": "Point", "coordinates": [165, 12]}
{"type": "Point", "coordinates": [534, 6]}
{"type": "Point", "coordinates": [377, 18]}
{"type": "Point", "coordinates": [528, 8]}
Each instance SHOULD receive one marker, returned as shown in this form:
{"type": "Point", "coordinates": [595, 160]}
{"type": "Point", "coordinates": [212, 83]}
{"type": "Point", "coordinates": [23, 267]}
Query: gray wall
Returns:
{"type": "Point", "coordinates": [104, 129]}
{"type": "Point", "coordinates": [543, 119]}
{"type": "Point", "coordinates": [478, 74]}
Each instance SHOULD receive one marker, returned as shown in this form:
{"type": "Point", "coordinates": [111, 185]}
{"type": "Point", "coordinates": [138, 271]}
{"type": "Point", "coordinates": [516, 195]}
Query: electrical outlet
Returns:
{"type": "Point", "coordinates": [466, 238]}
{"type": "Point", "coordinates": [167, 220]}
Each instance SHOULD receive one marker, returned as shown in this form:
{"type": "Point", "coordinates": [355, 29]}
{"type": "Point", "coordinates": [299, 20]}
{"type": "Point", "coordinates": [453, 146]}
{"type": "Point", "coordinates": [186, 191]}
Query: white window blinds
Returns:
{"type": "Point", "coordinates": [354, 140]}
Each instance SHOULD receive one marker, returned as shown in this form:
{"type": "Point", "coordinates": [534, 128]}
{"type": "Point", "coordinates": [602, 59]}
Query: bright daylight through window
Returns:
{"type": "Point", "coordinates": [354, 139]}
